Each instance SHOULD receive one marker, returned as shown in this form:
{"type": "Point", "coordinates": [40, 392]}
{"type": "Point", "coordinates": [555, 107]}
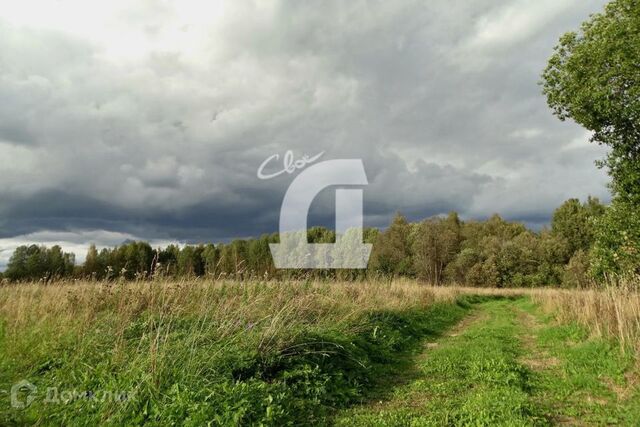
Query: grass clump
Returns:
{"type": "Point", "coordinates": [594, 381]}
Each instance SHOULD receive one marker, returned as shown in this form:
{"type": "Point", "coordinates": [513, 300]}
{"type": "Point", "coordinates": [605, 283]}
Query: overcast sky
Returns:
{"type": "Point", "coordinates": [148, 119]}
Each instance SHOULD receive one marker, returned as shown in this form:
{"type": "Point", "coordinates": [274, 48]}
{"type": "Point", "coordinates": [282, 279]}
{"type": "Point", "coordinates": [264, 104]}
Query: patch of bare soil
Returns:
{"type": "Point", "coordinates": [464, 324]}
{"type": "Point", "coordinates": [459, 328]}
{"type": "Point", "coordinates": [536, 358]}
{"type": "Point", "coordinates": [626, 390]}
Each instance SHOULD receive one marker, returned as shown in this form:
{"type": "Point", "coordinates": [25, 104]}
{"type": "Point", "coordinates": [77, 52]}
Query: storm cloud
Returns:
{"type": "Point", "coordinates": [137, 119]}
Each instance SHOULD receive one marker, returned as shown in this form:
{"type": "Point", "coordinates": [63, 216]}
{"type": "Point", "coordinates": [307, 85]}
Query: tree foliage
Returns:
{"type": "Point", "coordinates": [593, 78]}
{"type": "Point", "coordinates": [391, 253]}
{"type": "Point", "coordinates": [39, 263]}
{"type": "Point", "coordinates": [437, 250]}
{"type": "Point", "coordinates": [575, 222]}
{"type": "Point", "coordinates": [436, 242]}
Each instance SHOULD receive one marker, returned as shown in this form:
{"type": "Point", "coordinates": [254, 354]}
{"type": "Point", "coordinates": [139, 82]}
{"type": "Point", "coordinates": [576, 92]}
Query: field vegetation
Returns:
{"type": "Point", "coordinates": [251, 352]}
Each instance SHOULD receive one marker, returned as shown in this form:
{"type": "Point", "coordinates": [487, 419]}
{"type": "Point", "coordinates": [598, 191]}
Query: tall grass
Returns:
{"type": "Point", "coordinates": [612, 311]}
{"type": "Point", "coordinates": [229, 306]}
{"type": "Point", "coordinates": [249, 352]}
{"type": "Point", "coordinates": [239, 352]}
{"type": "Point", "coordinates": [274, 309]}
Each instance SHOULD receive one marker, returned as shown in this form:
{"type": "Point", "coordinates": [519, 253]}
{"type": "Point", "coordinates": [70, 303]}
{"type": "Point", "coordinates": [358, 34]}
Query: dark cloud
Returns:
{"type": "Point", "coordinates": [151, 122]}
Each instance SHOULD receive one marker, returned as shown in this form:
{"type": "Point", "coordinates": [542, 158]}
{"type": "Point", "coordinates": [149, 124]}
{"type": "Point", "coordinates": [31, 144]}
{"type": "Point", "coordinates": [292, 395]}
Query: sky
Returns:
{"type": "Point", "coordinates": [141, 119]}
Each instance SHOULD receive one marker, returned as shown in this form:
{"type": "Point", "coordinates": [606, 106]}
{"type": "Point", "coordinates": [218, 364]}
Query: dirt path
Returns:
{"type": "Point", "coordinates": [534, 356]}
{"type": "Point", "coordinates": [503, 365]}
{"type": "Point", "coordinates": [472, 375]}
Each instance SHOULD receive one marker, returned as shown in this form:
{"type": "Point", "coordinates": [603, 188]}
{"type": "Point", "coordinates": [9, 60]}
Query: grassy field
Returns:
{"type": "Point", "coordinates": [509, 366]}
{"type": "Point", "coordinates": [384, 353]}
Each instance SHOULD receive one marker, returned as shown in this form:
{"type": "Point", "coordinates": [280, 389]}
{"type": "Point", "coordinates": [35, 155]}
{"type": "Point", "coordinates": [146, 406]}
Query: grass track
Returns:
{"type": "Point", "coordinates": [508, 365]}
{"type": "Point", "coordinates": [304, 355]}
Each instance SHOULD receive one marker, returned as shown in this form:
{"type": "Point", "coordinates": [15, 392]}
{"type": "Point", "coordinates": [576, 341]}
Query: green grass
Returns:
{"type": "Point", "coordinates": [199, 378]}
{"type": "Point", "coordinates": [594, 382]}
{"type": "Point", "coordinates": [507, 369]}
{"type": "Point", "coordinates": [470, 379]}
{"type": "Point", "coordinates": [479, 361]}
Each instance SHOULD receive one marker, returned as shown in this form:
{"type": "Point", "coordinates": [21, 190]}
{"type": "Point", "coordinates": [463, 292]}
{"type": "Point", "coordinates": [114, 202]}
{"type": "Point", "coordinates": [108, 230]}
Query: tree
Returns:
{"type": "Point", "coordinates": [594, 78]}
{"type": "Point", "coordinates": [92, 267]}
{"type": "Point", "coordinates": [457, 271]}
{"type": "Point", "coordinates": [436, 243]}
{"type": "Point", "coordinates": [130, 261]}
{"type": "Point", "coordinates": [39, 263]}
{"type": "Point", "coordinates": [190, 261]}
{"type": "Point", "coordinates": [233, 258]}
{"type": "Point", "coordinates": [59, 264]}
{"type": "Point", "coordinates": [576, 272]}
{"type": "Point", "coordinates": [17, 266]}
{"type": "Point", "coordinates": [210, 258]}
{"type": "Point", "coordinates": [391, 253]}
{"type": "Point", "coordinates": [617, 246]}
{"type": "Point", "coordinates": [138, 259]}
{"type": "Point", "coordinates": [259, 257]}
{"type": "Point", "coordinates": [551, 254]}
{"type": "Point", "coordinates": [167, 263]}
{"type": "Point", "coordinates": [575, 222]}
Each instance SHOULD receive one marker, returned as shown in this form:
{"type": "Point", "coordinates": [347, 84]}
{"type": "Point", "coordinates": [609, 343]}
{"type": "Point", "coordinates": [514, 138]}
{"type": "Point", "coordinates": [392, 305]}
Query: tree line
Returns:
{"type": "Point", "coordinates": [437, 250]}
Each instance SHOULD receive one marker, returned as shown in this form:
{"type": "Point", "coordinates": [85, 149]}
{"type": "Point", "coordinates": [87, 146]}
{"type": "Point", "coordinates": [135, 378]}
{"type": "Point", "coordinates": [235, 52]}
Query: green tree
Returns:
{"type": "Point", "coordinates": [39, 263]}
{"type": "Point", "coordinates": [617, 246]}
{"type": "Point", "coordinates": [457, 271]}
{"type": "Point", "coordinates": [190, 261]}
{"type": "Point", "coordinates": [59, 264]}
{"type": "Point", "coordinates": [593, 78]}
{"type": "Point", "coordinates": [210, 258]}
{"type": "Point", "coordinates": [391, 253]}
{"type": "Point", "coordinates": [575, 222]}
{"type": "Point", "coordinates": [436, 243]}
{"type": "Point", "coordinates": [576, 272]}
{"type": "Point", "coordinates": [92, 267]}
{"type": "Point", "coordinates": [17, 266]}
{"type": "Point", "coordinates": [167, 263]}
{"type": "Point", "coordinates": [233, 258]}
{"type": "Point", "coordinates": [259, 257]}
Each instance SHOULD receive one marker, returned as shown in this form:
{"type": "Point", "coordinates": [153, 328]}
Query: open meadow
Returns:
{"type": "Point", "coordinates": [310, 352]}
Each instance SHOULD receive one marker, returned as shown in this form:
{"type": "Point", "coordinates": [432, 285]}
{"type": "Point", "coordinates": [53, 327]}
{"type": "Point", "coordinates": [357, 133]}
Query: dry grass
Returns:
{"type": "Point", "coordinates": [271, 307]}
{"type": "Point", "coordinates": [611, 312]}
{"type": "Point", "coordinates": [79, 302]}
{"type": "Point", "coordinates": [177, 344]}
{"type": "Point", "coordinates": [224, 308]}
